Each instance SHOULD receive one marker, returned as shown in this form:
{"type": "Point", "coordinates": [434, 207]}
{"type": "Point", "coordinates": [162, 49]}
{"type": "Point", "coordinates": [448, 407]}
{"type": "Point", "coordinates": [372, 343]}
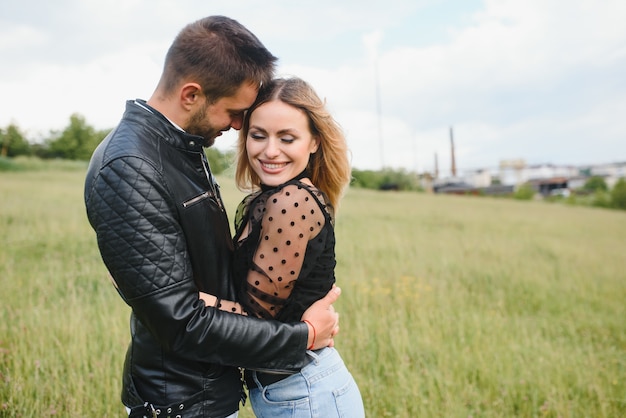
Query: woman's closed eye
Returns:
{"type": "Point", "coordinates": [257, 136]}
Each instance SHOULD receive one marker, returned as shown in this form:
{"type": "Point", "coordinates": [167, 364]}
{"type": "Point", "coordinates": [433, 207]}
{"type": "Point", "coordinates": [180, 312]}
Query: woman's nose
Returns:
{"type": "Point", "coordinates": [271, 149]}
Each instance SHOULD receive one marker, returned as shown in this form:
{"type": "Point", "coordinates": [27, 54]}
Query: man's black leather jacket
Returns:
{"type": "Point", "coordinates": [164, 235]}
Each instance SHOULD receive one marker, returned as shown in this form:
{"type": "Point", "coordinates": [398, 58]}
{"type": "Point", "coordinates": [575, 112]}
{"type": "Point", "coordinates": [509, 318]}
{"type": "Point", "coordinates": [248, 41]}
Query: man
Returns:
{"type": "Point", "coordinates": [164, 235]}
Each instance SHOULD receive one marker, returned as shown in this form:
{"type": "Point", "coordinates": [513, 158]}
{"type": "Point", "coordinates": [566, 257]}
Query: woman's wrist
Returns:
{"type": "Point", "coordinates": [209, 300]}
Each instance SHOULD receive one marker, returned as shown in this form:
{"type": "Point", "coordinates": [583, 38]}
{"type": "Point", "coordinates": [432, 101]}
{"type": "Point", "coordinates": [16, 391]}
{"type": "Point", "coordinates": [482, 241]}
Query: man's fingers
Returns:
{"type": "Point", "coordinates": [323, 318]}
{"type": "Point", "coordinates": [332, 296]}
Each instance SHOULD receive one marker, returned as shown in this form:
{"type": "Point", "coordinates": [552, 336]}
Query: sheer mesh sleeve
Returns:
{"type": "Point", "coordinates": [292, 217]}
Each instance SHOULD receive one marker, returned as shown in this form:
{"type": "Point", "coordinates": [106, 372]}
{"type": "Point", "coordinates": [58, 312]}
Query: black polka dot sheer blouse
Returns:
{"type": "Point", "coordinates": [284, 250]}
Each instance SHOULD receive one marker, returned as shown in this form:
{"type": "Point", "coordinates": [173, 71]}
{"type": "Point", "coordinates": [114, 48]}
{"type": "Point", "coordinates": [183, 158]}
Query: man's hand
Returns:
{"type": "Point", "coordinates": [323, 321]}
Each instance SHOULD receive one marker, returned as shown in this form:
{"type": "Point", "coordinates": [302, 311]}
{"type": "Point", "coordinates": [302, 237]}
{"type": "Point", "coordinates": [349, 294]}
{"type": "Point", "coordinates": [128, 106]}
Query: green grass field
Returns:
{"type": "Point", "coordinates": [452, 306]}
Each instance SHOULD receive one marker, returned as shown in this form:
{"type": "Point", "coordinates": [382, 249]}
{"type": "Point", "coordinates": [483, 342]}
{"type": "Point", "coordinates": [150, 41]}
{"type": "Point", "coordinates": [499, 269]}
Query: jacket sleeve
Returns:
{"type": "Point", "coordinates": [143, 247]}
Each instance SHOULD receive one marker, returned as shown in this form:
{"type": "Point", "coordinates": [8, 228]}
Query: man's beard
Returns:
{"type": "Point", "coordinates": [199, 125]}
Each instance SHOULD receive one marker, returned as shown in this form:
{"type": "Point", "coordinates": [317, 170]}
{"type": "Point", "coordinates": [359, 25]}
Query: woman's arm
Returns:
{"type": "Point", "coordinates": [291, 217]}
{"type": "Point", "coordinates": [223, 305]}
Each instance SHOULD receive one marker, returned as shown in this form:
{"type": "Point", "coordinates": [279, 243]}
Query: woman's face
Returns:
{"type": "Point", "coordinates": [279, 142]}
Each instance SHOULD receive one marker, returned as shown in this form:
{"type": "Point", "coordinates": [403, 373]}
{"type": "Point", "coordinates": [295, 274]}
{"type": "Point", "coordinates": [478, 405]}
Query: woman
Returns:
{"type": "Point", "coordinates": [294, 155]}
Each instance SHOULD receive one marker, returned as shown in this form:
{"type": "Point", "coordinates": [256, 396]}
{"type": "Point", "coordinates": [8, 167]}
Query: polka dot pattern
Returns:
{"type": "Point", "coordinates": [291, 220]}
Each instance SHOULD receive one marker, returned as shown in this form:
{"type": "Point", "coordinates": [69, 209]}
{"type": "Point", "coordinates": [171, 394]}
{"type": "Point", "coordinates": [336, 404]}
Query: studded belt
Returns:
{"type": "Point", "coordinates": [175, 410]}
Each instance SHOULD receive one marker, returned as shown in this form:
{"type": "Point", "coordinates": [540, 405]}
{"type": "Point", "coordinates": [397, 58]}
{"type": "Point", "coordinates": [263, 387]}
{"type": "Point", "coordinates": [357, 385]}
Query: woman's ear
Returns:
{"type": "Point", "coordinates": [315, 145]}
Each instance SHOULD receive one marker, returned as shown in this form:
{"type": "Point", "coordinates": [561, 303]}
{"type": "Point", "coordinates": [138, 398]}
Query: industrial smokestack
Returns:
{"type": "Point", "coordinates": [452, 152]}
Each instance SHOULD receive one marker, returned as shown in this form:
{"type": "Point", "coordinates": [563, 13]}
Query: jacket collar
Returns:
{"type": "Point", "coordinates": [169, 132]}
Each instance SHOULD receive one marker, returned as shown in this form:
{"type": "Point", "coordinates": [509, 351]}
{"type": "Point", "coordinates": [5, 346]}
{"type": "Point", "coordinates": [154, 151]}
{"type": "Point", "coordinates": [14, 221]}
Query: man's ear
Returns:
{"type": "Point", "coordinates": [190, 95]}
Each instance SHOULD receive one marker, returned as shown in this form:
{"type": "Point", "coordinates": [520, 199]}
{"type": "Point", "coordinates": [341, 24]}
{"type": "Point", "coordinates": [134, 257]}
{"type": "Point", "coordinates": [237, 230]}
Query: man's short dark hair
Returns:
{"type": "Point", "coordinates": [218, 53]}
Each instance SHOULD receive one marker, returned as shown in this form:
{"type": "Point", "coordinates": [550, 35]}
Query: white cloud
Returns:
{"type": "Point", "coordinates": [540, 80]}
{"type": "Point", "coordinates": [520, 67]}
{"type": "Point", "coordinates": [15, 37]}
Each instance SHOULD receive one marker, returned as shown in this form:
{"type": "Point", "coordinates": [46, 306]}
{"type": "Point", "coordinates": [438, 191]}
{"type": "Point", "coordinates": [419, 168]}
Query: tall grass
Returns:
{"type": "Point", "coordinates": [62, 328]}
{"type": "Point", "coordinates": [452, 306]}
{"type": "Point", "coordinates": [481, 307]}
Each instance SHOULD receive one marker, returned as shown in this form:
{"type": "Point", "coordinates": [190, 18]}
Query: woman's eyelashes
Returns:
{"type": "Point", "coordinates": [258, 136]}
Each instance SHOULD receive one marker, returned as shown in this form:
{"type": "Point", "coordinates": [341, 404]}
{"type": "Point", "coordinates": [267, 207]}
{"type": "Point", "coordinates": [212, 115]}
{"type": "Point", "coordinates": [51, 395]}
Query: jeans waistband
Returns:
{"type": "Point", "coordinates": [267, 378]}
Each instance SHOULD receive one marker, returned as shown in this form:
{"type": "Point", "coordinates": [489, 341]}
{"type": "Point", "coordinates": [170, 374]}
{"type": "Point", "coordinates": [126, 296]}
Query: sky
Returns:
{"type": "Point", "coordinates": [539, 80]}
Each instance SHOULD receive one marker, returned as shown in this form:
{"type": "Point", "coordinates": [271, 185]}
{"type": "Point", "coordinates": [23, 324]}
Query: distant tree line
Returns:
{"type": "Point", "coordinates": [386, 179]}
{"type": "Point", "coordinates": [76, 142]}
{"type": "Point", "coordinates": [601, 196]}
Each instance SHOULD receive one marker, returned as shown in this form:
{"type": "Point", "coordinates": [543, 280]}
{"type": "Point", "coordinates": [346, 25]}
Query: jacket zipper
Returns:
{"type": "Point", "coordinates": [209, 176]}
{"type": "Point", "coordinates": [196, 199]}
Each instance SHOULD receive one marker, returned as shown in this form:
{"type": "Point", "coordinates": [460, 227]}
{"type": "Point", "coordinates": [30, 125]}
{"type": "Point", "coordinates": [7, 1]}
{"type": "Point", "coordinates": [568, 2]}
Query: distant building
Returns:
{"type": "Point", "coordinates": [546, 179]}
{"type": "Point", "coordinates": [520, 174]}
{"type": "Point", "coordinates": [576, 182]}
{"type": "Point", "coordinates": [480, 178]}
{"type": "Point", "coordinates": [552, 186]}
{"type": "Point", "coordinates": [611, 172]}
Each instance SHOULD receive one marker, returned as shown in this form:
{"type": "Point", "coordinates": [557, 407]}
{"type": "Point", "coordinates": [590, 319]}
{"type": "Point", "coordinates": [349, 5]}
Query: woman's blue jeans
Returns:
{"type": "Point", "coordinates": [322, 389]}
